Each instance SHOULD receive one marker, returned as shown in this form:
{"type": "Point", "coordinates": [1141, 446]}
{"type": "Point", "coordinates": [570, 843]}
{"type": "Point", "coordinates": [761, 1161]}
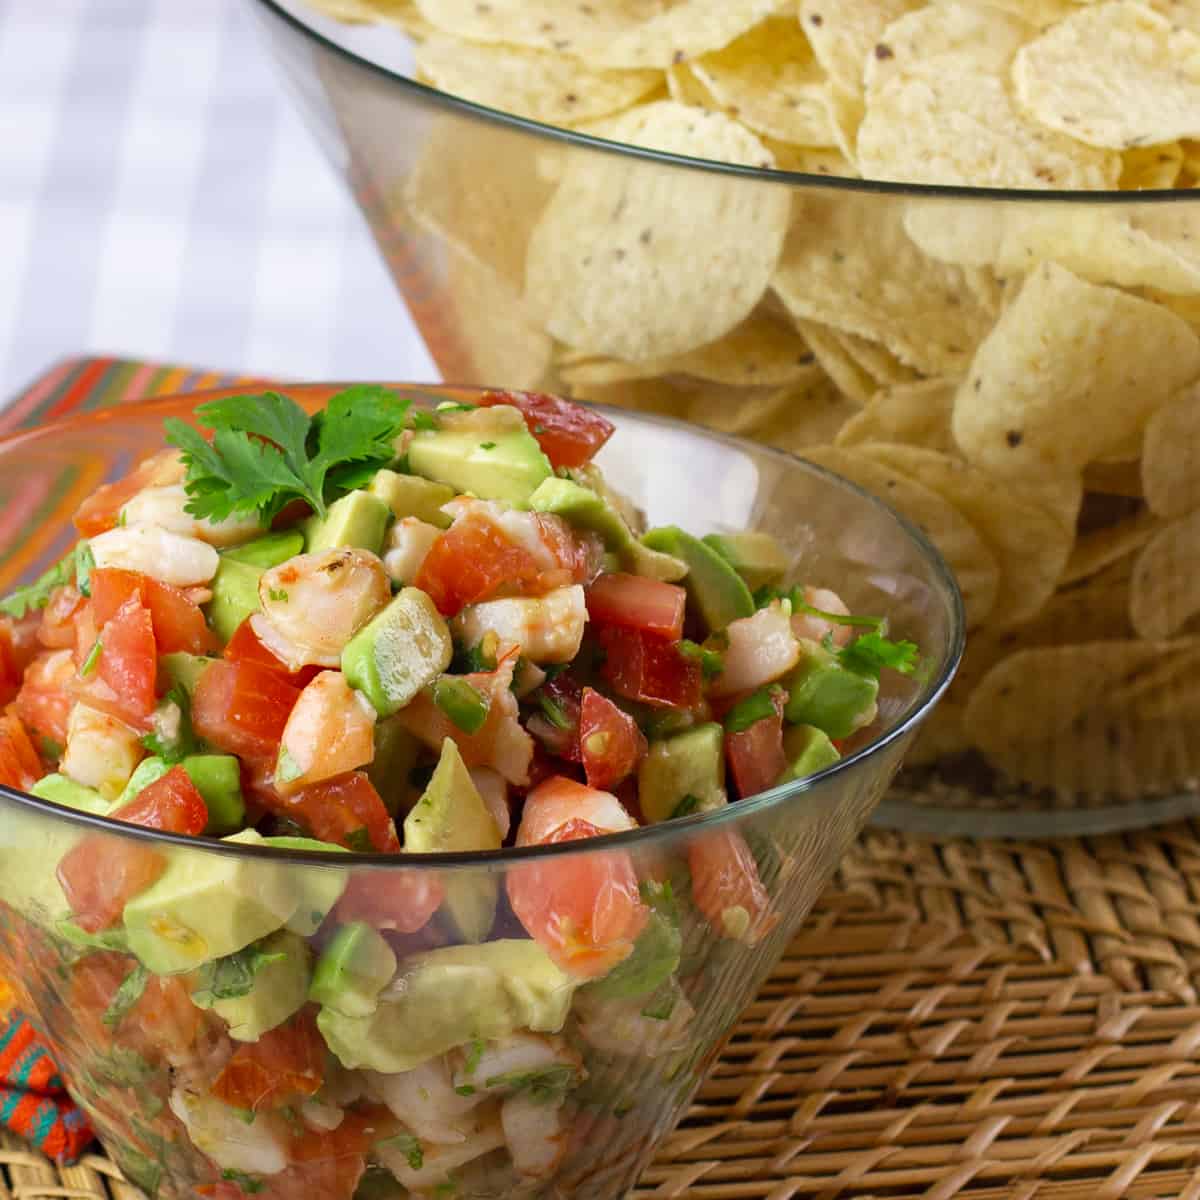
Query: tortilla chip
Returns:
{"type": "Point", "coordinates": [837, 362]}
{"type": "Point", "coordinates": [844, 32]}
{"type": "Point", "coordinates": [1146, 168]}
{"type": "Point", "coordinates": [1171, 456]}
{"type": "Point", "coordinates": [1165, 592]}
{"type": "Point", "coordinates": [914, 414]}
{"type": "Point", "coordinates": [1102, 547]}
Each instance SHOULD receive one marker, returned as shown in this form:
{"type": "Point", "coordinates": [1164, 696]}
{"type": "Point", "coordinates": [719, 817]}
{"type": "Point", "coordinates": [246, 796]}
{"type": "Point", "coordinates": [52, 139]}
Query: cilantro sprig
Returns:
{"type": "Point", "coordinates": [266, 451]}
{"type": "Point", "coordinates": [75, 567]}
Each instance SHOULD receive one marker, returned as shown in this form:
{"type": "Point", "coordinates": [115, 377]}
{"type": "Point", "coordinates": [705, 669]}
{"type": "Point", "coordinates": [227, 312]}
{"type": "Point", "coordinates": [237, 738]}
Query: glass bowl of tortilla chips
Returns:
{"type": "Point", "coordinates": [948, 250]}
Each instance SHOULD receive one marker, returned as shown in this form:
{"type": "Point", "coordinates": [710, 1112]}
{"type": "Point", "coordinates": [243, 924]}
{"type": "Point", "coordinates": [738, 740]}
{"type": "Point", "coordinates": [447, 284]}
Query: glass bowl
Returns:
{"type": "Point", "coordinates": [907, 336]}
{"type": "Point", "coordinates": [479, 1054]}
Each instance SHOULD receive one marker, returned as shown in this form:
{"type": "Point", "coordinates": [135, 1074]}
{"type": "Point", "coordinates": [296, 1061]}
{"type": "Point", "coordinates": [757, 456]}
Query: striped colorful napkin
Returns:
{"type": "Point", "coordinates": [33, 1101]}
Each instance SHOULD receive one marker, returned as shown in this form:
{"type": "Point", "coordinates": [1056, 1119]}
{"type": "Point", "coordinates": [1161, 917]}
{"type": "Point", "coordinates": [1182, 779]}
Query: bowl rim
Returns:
{"type": "Point", "coordinates": [932, 688]}
{"type": "Point", "coordinates": [791, 179]}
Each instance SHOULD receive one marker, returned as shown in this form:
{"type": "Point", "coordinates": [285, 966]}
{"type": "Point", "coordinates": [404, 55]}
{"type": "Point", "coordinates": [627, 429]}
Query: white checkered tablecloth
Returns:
{"type": "Point", "coordinates": [160, 198]}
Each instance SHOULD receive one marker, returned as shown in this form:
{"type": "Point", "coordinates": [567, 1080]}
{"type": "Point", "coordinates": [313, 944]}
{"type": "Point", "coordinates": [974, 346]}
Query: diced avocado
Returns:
{"type": "Point", "coordinates": [398, 652]}
{"type": "Point", "coordinates": [683, 774]}
{"type": "Point", "coordinates": [180, 669]}
{"type": "Point", "coordinates": [449, 997]}
{"type": "Point", "coordinates": [352, 970]}
{"type": "Point", "coordinates": [218, 778]}
{"type": "Point", "coordinates": [451, 816]}
{"type": "Point", "coordinates": [235, 596]}
{"type": "Point", "coordinates": [319, 888]}
{"type": "Point", "coordinates": [412, 496]}
{"type": "Point", "coordinates": [654, 959]}
{"type": "Point", "coordinates": [358, 520]}
{"type": "Point", "coordinates": [808, 751]}
{"type": "Point", "coordinates": [58, 789]}
{"type": "Point", "coordinates": [148, 771]}
{"type": "Point", "coordinates": [716, 590]}
{"type": "Point", "coordinates": [257, 988]}
{"type": "Point", "coordinates": [587, 509]}
{"type": "Point", "coordinates": [206, 906]}
{"type": "Point", "coordinates": [757, 557]}
{"type": "Point", "coordinates": [269, 550]}
{"type": "Point", "coordinates": [502, 466]}
{"type": "Point", "coordinates": [823, 693]}
{"type": "Point", "coordinates": [396, 753]}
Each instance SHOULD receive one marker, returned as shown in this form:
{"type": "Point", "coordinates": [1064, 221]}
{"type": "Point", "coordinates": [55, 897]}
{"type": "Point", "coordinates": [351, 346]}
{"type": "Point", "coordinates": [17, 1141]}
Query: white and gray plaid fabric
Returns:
{"type": "Point", "coordinates": [160, 198]}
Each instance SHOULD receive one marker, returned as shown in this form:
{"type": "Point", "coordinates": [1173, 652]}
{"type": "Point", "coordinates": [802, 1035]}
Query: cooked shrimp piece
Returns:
{"type": "Point", "coordinates": [408, 541]}
{"type": "Point", "coordinates": [425, 1100]}
{"type": "Point", "coordinates": [507, 1064]}
{"type": "Point", "coordinates": [493, 789]}
{"type": "Point", "coordinates": [558, 801]}
{"type": "Point", "coordinates": [761, 649]}
{"type": "Point", "coordinates": [165, 507]}
{"type": "Point", "coordinates": [168, 557]}
{"type": "Point", "coordinates": [425, 1172]}
{"type": "Point", "coordinates": [330, 730]}
{"type": "Point", "coordinates": [101, 752]}
{"type": "Point", "coordinates": [805, 625]}
{"type": "Point", "coordinates": [622, 1027]}
{"type": "Point", "coordinates": [221, 1132]}
{"type": "Point", "coordinates": [548, 629]}
{"type": "Point", "coordinates": [535, 1133]}
{"type": "Point", "coordinates": [313, 604]}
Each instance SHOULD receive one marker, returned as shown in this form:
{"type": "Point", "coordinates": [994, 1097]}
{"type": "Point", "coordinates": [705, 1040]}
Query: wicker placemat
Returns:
{"type": "Point", "coordinates": [986, 1021]}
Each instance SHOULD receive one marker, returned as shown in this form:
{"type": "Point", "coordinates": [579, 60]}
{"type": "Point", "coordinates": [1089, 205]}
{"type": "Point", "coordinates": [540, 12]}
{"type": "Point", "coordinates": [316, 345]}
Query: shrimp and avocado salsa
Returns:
{"type": "Point", "coordinates": [392, 630]}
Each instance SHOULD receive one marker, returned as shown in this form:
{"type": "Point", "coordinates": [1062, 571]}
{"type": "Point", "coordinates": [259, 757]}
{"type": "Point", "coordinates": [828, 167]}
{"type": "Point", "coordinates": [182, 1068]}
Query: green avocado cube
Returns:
{"type": "Point", "coordinates": [148, 771]}
{"type": "Point", "coordinates": [412, 496]}
{"type": "Point", "coordinates": [319, 888]}
{"type": "Point", "coordinates": [358, 520]}
{"type": "Point", "coordinates": [259, 987]}
{"type": "Point", "coordinates": [58, 789]}
{"type": "Point", "coordinates": [683, 774]}
{"type": "Point", "coordinates": [715, 590]}
{"type": "Point", "coordinates": [398, 652]}
{"type": "Point", "coordinates": [808, 750]}
{"type": "Point", "coordinates": [352, 970]}
{"type": "Point", "coordinates": [506, 465]}
{"type": "Point", "coordinates": [181, 669]}
{"type": "Point", "coordinates": [218, 778]}
{"type": "Point", "coordinates": [451, 816]}
{"type": "Point", "coordinates": [823, 693]}
{"type": "Point", "coordinates": [234, 596]}
{"type": "Point", "coordinates": [757, 557]}
{"type": "Point", "coordinates": [269, 550]}
{"type": "Point", "coordinates": [206, 906]}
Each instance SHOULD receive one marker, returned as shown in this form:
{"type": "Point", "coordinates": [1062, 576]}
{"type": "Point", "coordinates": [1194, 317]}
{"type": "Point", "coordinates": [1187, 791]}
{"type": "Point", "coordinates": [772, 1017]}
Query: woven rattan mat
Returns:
{"type": "Point", "coordinates": [957, 1020]}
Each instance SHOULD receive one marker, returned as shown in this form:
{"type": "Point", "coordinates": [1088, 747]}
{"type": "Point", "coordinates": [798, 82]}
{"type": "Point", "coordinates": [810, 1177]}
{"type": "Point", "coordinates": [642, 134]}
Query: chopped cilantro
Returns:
{"type": "Point", "coordinates": [359, 840]}
{"type": "Point", "coordinates": [49, 747]}
{"type": "Point", "coordinates": [266, 451]}
{"type": "Point", "coordinates": [37, 594]}
{"type": "Point", "coordinates": [126, 996]}
{"type": "Point", "coordinates": [85, 560]}
{"type": "Point", "coordinates": [543, 1085]}
{"type": "Point", "coordinates": [475, 659]}
{"type": "Point", "coordinates": [554, 712]}
{"type": "Point", "coordinates": [474, 1054]}
{"type": "Point", "coordinates": [409, 1147]}
{"type": "Point", "coordinates": [248, 1183]}
{"type": "Point", "coordinates": [232, 976]}
{"type": "Point", "coordinates": [688, 805]}
{"type": "Point", "coordinates": [870, 653]}
{"type": "Point", "coordinates": [173, 739]}
{"type": "Point", "coordinates": [278, 595]}
{"type": "Point", "coordinates": [424, 422]}
{"type": "Point", "coordinates": [754, 708]}
{"type": "Point", "coordinates": [465, 1089]}
{"type": "Point", "coordinates": [661, 1005]}
{"type": "Point", "coordinates": [538, 429]}
{"type": "Point", "coordinates": [487, 445]}
{"type": "Point", "coordinates": [711, 663]}
{"type": "Point", "coordinates": [90, 663]}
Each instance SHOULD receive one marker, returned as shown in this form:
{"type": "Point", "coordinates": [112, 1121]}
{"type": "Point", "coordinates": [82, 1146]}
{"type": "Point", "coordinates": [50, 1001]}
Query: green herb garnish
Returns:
{"type": "Point", "coordinates": [711, 663]}
{"type": "Point", "coordinates": [250, 1184]}
{"type": "Point", "coordinates": [85, 560]}
{"type": "Point", "coordinates": [474, 1054]}
{"type": "Point", "coordinates": [554, 712]}
{"type": "Point", "coordinates": [870, 653]}
{"type": "Point", "coordinates": [754, 708]}
{"type": "Point", "coordinates": [126, 996]}
{"type": "Point", "coordinates": [543, 1086]}
{"type": "Point", "coordinates": [173, 748]}
{"type": "Point", "coordinates": [487, 445]}
{"type": "Point", "coordinates": [688, 805]}
{"type": "Point", "coordinates": [90, 663]}
{"type": "Point", "coordinates": [37, 594]}
{"type": "Point", "coordinates": [359, 840]}
{"type": "Point", "coordinates": [409, 1147]}
{"type": "Point", "coordinates": [266, 451]}
{"type": "Point", "coordinates": [232, 976]}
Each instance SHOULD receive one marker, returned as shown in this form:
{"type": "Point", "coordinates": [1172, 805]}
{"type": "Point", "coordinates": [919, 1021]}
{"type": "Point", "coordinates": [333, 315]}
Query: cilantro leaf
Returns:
{"type": "Point", "coordinates": [126, 996]}
{"type": "Point", "coordinates": [37, 594]}
{"type": "Point", "coordinates": [266, 450]}
{"type": "Point", "coordinates": [232, 976]}
{"type": "Point", "coordinates": [543, 1085]}
{"type": "Point", "coordinates": [410, 1147]}
{"type": "Point", "coordinates": [250, 1184]}
{"type": "Point", "coordinates": [870, 653]}
{"type": "Point", "coordinates": [85, 561]}
{"type": "Point", "coordinates": [172, 737]}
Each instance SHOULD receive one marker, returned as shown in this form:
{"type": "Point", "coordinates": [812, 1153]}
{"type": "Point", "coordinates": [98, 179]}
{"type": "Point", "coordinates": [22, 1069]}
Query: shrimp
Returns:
{"type": "Point", "coordinates": [622, 1027]}
{"type": "Point", "coordinates": [805, 625]}
{"type": "Point", "coordinates": [222, 1133]}
{"type": "Point", "coordinates": [493, 789]}
{"type": "Point", "coordinates": [548, 629]}
{"type": "Point", "coordinates": [407, 544]}
{"type": "Point", "coordinates": [168, 557]}
{"type": "Point", "coordinates": [432, 1167]}
{"type": "Point", "coordinates": [535, 1133]}
{"type": "Point", "coordinates": [761, 649]}
{"type": "Point", "coordinates": [501, 744]}
{"type": "Point", "coordinates": [313, 604]}
{"type": "Point", "coordinates": [165, 507]}
{"type": "Point", "coordinates": [522, 1058]}
{"type": "Point", "coordinates": [426, 1101]}
{"type": "Point", "coordinates": [559, 801]}
{"type": "Point", "coordinates": [101, 752]}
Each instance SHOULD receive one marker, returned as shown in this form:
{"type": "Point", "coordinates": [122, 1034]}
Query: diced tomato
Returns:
{"type": "Point", "coordinates": [102, 509]}
{"type": "Point", "coordinates": [755, 755]}
{"type": "Point", "coordinates": [100, 874]}
{"type": "Point", "coordinates": [641, 666]}
{"type": "Point", "coordinates": [22, 635]}
{"type": "Point", "coordinates": [20, 766]}
{"type": "Point", "coordinates": [128, 662]}
{"type": "Point", "coordinates": [344, 810]}
{"type": "Point", "coordinates": [44, 701]}
{"type": "Point", "coordinates": [469, 562]}
{"type": "Point", "coordinates": [178, 622]}
{"type": "Point", "coordinates": [87, 630]}
{"type": "Point", "coordinates": [726, 887]}
{"type": "Point", "coordinates": [172, 803]}
{"type": "Point", "coordinates": [398, 898]}
{"type": "Point", "coordinates": [569, 434]}
{"type": "Point", "coordinates": [10, 673]}
{"type": "Point", "coordinates": [242, 708]}
{"type": "Point", "coordinates": [633, 602]}
{"type": "Point", "coordinates": [579, 554]}
{"type": "Point", "coordinates": [57, 627]}
{"type": "Point", "coordinates": [163, 1019]}
{"type": "Point", "coordinates": [584, 909]}
{"type": "Point", "coordinates": [611, 744]}
{"type": "Point", "coordinates": [285, 1064]}
{"type": "Point", "coordinates": [245, 646]}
